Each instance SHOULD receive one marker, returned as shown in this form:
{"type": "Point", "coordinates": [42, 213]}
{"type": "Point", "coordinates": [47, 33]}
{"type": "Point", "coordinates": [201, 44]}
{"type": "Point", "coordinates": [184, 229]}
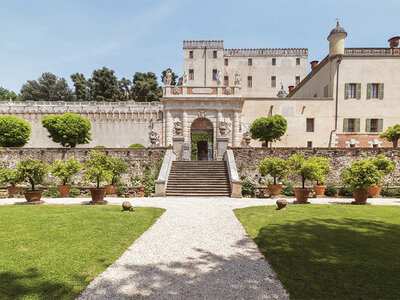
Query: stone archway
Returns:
{"type": "Point", "coordinates": [201, 137]}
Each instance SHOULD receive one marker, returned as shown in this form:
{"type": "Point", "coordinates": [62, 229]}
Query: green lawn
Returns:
{"type": "Point", "coordinates": [330, 251]}
{"type": "Point", "coordinates": [53, 252]}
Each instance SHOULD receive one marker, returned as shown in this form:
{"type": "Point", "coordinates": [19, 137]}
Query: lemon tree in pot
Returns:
{"type": "Point", "coordinates": [278, 169]}
{"type": "Point", "coordinates": [117, 167]}
{"type": "Point", "coordinates": [307, 169]}
{"type": "Point", "coordinates": [34, 172]}
{"type": "Point", "coordinates": [11, 177]}
{"type": "Point", "coordinates": [387, 167]}
{"type": "Point", "coordinates": [360, 175]}
{"type": "Point", "coordinates": [65, 171]}
{"type": "Point", "coordinates": [319, 177]}
{"type": "Point", "coordinates": [97, 171]}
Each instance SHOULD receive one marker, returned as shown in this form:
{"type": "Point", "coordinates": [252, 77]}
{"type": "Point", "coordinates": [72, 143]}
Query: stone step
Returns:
{"type": "Point", "coordinates": [198, 187]}
{"type": "Point", "coordinates": [169, 194]}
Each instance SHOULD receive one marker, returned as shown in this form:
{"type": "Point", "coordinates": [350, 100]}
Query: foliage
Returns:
{"type": "Point", "coordinates": [247, 188]}
{"type": "Point", "coordinates": [32, 171]}
{"type": "Point", "coordinates": [276, 167]}
{"type": "Point", "coordinates": [55, 251]}
{"type": "Point", "coordinates": [198, 137]}
{"type": "Point", "coordinates": [145, 87]}
{"type": "Point", "coordinates": [97, 168]}
{"type": "Point", "coordinates": [66, 170]}
{"type": "Point", "coordinates": [9, 176]}
{"type": "Point", "coordinates": [288, 189]}
{"type": "Point", "coordinates": [74, 192]}
{"type": "Point", "coordinates": [68, 129]}
{"type": "Point", "coordinates": [47, 88]}
{"type": "Point", "coordinates": [384, 164]}
{"type": "Point", "coordinates": [323, 169]}
{"type": "Point", "coordinates": [385, 192]}
{"type": "Point", "coordinates": [268, 129]}
{"type": "Point", "coordinates": [6, 95]}
{"type": "Point", "coordinates": [331, 190]}
{"type": "Point", "coordinates": [122, 191]}
{"type": "Point", "coordinates": [81, 87]}
{"type": "Point", "coordinates": [392, 134]}
{"type": "Point", "coordinates": [14, 132]}
{"type": "Point", "coordinates": [361, 174]}
{"type": "Point", "coordinates": [51, 192]}
{"type": "Point", "coordinates": [117, 167]}
{"type": "Point", "coordinates": [104, 86]}
{"type": "Point", "coordinates": [308, 169]}
{"type": "Point", "coordinates": [99, 147]}
{"type": "Point", "coordinates": [174, 77]}
{"type": "Point", "coordinates": [137, 145]}
{"type": "Point", "coordinates": [345, 191]}
{"type": "Point", "coordinates": [125, 87]}
{"type": "Point", "coordinates": [329, 251]}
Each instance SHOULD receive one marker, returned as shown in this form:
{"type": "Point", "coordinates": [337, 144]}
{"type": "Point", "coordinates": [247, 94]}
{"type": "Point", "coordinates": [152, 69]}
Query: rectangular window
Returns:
{"type": "Point", "coordinates": [226, 61]}
{"type": "Point", "coordinates": [374, 125]}
{"type": "Point", "coordinates": [191, 54]}
{"type": "Point", "coordinates": [250, 62]}
{"type": "Point", "coordinates": [191, 74]}
{"type": "Point", "coordinates": [297, 61]}
{"type": "Point", "coordinates": [249, 81]}
{"type": "Point", "coordinates": [297, 80]}
{"type": "Point", "coordinates": [214, 74]}
{"type": "Point", "coordinates": [375, 90]}
{"type": "Point", "coordinates": [352, 90]}
{"type": "Point", "coordinates": [309, 144]}
{"type": "Point", "coordinates": [351, 125]}
{"type": "Point", "coordinates": [226, 81]}
{"type": "Point", "coordinates": [274, 61]}
{"type": "Point", "coordinates": [214, 54]}
{"type": "Point", "coordinates": [310, 125]}
{"type": "Point", "coordinates": [273, 81]}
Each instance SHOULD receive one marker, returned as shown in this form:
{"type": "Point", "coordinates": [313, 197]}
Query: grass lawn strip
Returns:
{"type": "Point", "coordinates": [53, 252]}
{"type": "Point", "coordinates": [330, 251]}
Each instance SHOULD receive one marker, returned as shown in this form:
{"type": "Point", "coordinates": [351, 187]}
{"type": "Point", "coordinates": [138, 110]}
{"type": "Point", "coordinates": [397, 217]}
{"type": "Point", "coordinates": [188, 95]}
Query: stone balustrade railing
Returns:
{"type": "Point", "coordinates": [203, 44]}
{"type": "Point", "coordinates": [195, 91]}
{"type": "Point", "coordinates": [89, 103]}
{"type": "Point", "coordinates": [267, 52]}
{"type": "Point", "coordinates": [372, 51]}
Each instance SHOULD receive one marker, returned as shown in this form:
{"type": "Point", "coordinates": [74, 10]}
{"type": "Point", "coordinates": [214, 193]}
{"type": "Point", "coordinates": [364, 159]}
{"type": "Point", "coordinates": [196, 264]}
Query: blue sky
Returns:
{"type": "Point", "coordinates": [64, 37]}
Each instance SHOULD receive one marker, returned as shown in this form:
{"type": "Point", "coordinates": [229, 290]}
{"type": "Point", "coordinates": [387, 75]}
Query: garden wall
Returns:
{"type": "Point", "coordinates": [247, 159]}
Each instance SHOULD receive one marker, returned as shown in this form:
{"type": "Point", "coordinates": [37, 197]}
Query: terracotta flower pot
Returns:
{"type": "Point", "coordinates": [64, 189]}
{"type": "Point", "coordinates": [319, 190]}
{"type": "Point", "coordinates": [98, 195]}
{"type": "Point", "coordinates": [374, 191]}
{"type": "Point", "coordinates": [111, 189]}
{"type": "Point", "coordinates": [360, 196]}
{"type": "Point", "coordinates": [274, 189]}
{"type": "Point", "coordinates": [302, 194]}
{"type": "Point", "coordinates": [33, 196]}
{"type": "Point", "coordinates": [13, 190]}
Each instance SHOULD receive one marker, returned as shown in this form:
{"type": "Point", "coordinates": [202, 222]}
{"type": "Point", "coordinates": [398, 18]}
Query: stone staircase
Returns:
{"type": "Point", "coordinates": [198, 178]}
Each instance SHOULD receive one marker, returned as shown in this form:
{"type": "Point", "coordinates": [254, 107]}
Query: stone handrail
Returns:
{"type": "Point", "coordinates": [267, 52]}
{"type": "Point", "coordinates": [235, 182]}
{"type": "Point", "coordinates": [203, 44]}
{"type": "Point", "coordinates": [88, 103]}
{"type": "Point", "coordinates": [372, 51]}
{"type": "Point", "coordinates": [161, 182]}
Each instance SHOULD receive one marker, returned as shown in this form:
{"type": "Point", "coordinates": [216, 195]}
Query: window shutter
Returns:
{"type": "Point", "coordinates": [357, 125]}
{"type": "Point", "coordinates": [368, 125]}
{"type": "Point", "coordinates": [346, 91]}
{"type": "Point", "coordinates": [369, 86]}
{"type": "Point", "coordinates": [381, 90]}
{"type": "Point", "coordinates": [380, 125]}
{"type": "Point", "coordinates": [345, 125]}
{"type": "Point", "coordinates": [358, 96]}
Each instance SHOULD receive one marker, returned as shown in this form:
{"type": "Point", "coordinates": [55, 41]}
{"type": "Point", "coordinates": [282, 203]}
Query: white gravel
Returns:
{"type": "Point", "coordinates": [196, 250]}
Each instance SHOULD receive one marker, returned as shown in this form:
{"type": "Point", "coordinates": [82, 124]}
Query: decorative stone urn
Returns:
{"type": "Point", "coordinates": [153, 138]}
{"type": "Point", "coordinates": [247, 138]}
{"type": "Point", "coordinates": [178, 128]}
{"type": "Point", "coordinates": [222, 128]}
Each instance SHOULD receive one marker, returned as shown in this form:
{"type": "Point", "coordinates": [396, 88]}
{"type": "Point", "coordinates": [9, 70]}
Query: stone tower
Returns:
{"type": "Point", "coordinates": [336, 40]}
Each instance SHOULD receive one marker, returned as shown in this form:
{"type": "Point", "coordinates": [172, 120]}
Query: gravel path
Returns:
{"type": "Point", "coordinates": [196, 250]}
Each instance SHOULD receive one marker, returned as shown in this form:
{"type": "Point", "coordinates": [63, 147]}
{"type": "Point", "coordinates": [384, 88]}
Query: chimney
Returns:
{"type": "Point", "coordinates": [314, 64]}
{"type": "Point", "coordinates": [394, 41]}
{"type": "Point", "coordinates": [291, 88]}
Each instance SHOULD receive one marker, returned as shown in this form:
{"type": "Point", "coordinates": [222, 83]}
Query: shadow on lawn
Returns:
{"type": "Point", "coordinates": [328, 258]}
{"type": "Point", "coordinates": [202, 276]}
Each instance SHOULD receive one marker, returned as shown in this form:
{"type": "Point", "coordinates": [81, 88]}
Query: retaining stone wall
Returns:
{"type": "Point", "coordinates": [247, 159]}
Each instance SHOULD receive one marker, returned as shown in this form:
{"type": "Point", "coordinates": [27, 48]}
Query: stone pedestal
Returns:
{"type": "Point", "coordinates": [222, 146]}
{"type": "Point", "coordinates": [177, 145]}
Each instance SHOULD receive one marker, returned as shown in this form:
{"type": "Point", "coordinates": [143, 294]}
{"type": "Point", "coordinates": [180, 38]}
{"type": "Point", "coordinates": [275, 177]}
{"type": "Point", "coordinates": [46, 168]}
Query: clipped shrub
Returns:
{"type": "Point", "coordinates": [122, 191]}
{"type": "Point", "coordinates": [65, 171]}
{"type": "Point", "coordinates": [137, 145]}
{"type": "Point", "coordinates": [331, 190]}
{"type": "Point", "coordinates": [345, 191]}
{"type": "Point", "coordinates": [247, 188]}
{"type": "Point", "coordinates": [361, 174]}
{"type": "Point", "coordinates": [14, 132]}
{"type": "Point", "coordinates": [277, 168]}
{"type": "Point", "coordinates": [268, 129]}
{"type": "Point", "coordinates": [51, 192]}
{"type": "Point", "coordinates": [390, 192]}
{"type": "Point", "coordinates": [74, 192]}
{"type": "Point", "coordinates": [288, 189]}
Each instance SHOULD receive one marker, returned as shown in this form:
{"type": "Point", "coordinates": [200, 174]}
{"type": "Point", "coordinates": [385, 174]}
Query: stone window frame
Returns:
{"type": "Point", "coordinates": [298, 61]}
{"type": "Point", "coordinates": [191, 74]}
{"type": "Point", "coordinates": [273, 61]}
{"type": "Point", "coordinates": [249, 61]}
{"type": "Point", "coordinates": [191, 55]}
{"type": "Point", "coordinates": [226, 80]}
{"type": "Point", "coordinates": [215, 54]}
{"type": "Point", "coordinates": [214, 74]}
{"type": "Point", "coordinates": [309, 144]}
{"type": "Point", "coordinates": [249, 81]}
{"type": "Point", "coordinates": [310, 125]}
{"type": "Point", "coordinates": [226, 62]}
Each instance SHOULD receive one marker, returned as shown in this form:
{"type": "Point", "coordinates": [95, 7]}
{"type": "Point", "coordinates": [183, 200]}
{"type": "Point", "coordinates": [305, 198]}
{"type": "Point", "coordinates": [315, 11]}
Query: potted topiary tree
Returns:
{"type": "Point", "coordinates": [97, 170]}
{"type": "Point", "coordinates": [34, 172]}
{"type": "Point", "coordinates": [307, 169]}
{"type": "Point", "coordinates": [117, 167]}
{"type": "Point", "coordinates": [392, 134]}
{"type": "Point", "coordinates": [387, 167]}
{"type": "Point", "coordinates": [360, 175]}
{"type": "Point", "coordinates": [65, 171]}
{"type": "Point", "coordinates": [11, 177]}
{"type": "Point", "coordinates": [278, 169]}
{"type": "Point", "coordinates": [268, 130]}
{"type": "Point", "coordinates": [319, 177]}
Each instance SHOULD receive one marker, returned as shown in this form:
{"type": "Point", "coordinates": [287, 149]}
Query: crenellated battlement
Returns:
{"type": "Point", "coordinates": [266, 52]}
{"type": "Point", "coordinates": [203, 44]}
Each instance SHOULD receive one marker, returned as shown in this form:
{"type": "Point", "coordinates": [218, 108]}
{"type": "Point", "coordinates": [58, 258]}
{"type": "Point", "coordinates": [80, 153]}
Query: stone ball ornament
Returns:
{"type": "Point", "coordinates": [127, 206]}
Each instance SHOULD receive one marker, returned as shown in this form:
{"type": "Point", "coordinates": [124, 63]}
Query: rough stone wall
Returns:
{"type": "Point", "coordinates": [137, 158]}
{"type": "Point", "coordinates": [247, 159]}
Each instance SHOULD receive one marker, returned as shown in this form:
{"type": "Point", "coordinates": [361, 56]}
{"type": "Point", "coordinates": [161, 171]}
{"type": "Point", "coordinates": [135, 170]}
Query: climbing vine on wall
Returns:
{"type": "Point", "coordinates": [199, 137]}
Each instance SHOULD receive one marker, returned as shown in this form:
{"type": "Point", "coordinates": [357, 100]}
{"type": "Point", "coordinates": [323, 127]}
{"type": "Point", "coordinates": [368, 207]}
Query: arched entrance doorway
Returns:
{"type": "Point", "coordinates": [201, 136]}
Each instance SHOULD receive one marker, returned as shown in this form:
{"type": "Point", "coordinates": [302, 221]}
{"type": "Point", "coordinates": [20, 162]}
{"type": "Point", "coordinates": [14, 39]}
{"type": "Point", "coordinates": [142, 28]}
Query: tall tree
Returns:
{"type": "Point", "coordinates": [145, 87]}
{"type": "Point", "coordinates": [173, 78]}
{"type": "Point", "coordinates": [125, 87]}
{"type": "Point", "coordinates": [6, 95]}
{"type": "Point", "coordinates": [104, 86]}
{"type": "Point", "coordinates": [81, 87]}
{"type": "Point", "coordinates": [47, 88]}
